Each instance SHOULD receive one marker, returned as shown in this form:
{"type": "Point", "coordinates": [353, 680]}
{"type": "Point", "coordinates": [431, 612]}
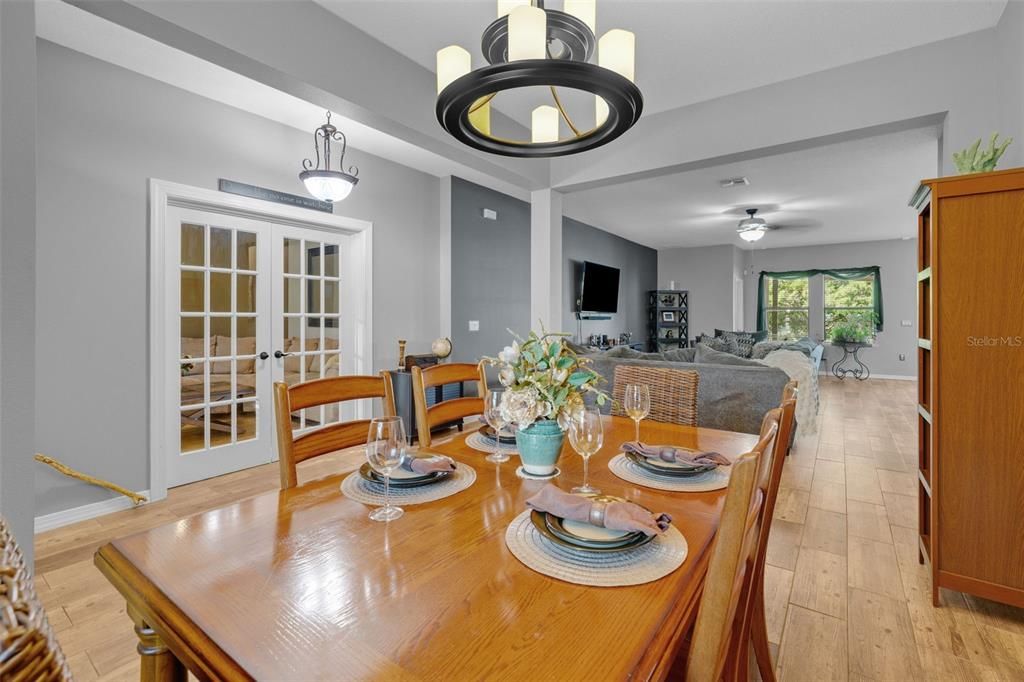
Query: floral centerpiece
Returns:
{"type": "Point", "coordinates": [544, 382]}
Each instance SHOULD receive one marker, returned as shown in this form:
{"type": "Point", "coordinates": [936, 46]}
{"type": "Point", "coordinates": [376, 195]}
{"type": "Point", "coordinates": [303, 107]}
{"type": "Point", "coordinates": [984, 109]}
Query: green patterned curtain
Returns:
{"type": "Point", "coordinates": [842, 273]}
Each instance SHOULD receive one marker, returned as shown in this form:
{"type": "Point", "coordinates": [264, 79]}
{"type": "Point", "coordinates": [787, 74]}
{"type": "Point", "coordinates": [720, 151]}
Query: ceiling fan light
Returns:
{"type": "Point", "coordinates": [527, 33]}
{"type": "Point", "coordinates": [453, 62]}
{"type": "Point", "coordinates": [751, 235]}
{"type": "Point", "coordinates": [752, 223]}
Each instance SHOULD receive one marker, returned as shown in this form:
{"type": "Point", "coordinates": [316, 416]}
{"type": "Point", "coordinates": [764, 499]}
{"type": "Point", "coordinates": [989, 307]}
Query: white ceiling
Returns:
{"type": "Point", "coordinates": [845, 192]}
{"type": "Point", "coordinates": [694, 50]}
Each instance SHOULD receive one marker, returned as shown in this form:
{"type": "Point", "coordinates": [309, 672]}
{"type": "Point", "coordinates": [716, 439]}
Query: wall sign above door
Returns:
{"type": "Point", "coordinates": [255, 192]}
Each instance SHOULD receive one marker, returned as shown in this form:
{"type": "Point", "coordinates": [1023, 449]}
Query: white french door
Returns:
{"type": "Point", "coordinates": [247, 302]}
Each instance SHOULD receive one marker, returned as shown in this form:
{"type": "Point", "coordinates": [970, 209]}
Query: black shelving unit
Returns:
{"type": "Point", "coordinates": [662, 333]}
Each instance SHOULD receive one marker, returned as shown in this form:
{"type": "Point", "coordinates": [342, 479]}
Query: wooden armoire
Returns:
{"type": "Point", "coordinates": [970, 289]}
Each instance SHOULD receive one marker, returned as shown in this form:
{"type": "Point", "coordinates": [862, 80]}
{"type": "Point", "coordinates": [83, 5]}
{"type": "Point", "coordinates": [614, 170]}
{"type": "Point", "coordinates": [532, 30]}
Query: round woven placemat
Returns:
{"type": "Point", "coordinates": [627, 471]}
{"type": "Point", "coordinates": [358, 489]}
{"type": "Point", "coordinates": [477, 441]}
{"type": "Point", "coordinates": [633, 567]}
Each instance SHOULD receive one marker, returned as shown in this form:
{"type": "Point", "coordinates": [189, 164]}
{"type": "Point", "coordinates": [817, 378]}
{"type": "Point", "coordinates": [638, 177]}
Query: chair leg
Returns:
{"type": "Point", "coordinates": [759, 637]}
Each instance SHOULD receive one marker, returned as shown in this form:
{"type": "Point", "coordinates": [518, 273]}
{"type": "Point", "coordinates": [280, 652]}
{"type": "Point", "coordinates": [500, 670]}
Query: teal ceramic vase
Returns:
{"type": "Point", "coordinates": [539, 446]}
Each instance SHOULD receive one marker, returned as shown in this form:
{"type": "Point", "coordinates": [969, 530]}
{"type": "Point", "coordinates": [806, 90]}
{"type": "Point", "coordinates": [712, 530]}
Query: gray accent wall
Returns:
{"type": "Point", "coordinates": [103, 132]}
{"type": "Point", "coordinates": [897, 259]}
{"type": "Point", "coordinates": [490, 270]}
{"type": "Point", "coordinates": [707, 273]}
{"type": "Point", "coordinates": [638, 274]}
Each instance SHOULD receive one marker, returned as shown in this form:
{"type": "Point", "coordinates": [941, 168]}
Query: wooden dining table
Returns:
{"type": "Point", "coordinates": [301, 585]}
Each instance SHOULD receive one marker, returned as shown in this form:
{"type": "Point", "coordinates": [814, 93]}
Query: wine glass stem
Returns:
{"type": "Point", "coordinates": [636, 423]}
{"type": "Point", "coordinates": [387, 491]}
{"type": "Point", "coordinates": [586, 472]}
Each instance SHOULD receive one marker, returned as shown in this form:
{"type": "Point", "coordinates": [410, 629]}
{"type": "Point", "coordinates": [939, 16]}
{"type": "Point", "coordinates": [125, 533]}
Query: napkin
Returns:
{"type": "Point", "coordinates": [427, 465]}
{"type": "Point", "coordinates": [617, 515]}
{"type": "Point", "coordinates": [669, 453]}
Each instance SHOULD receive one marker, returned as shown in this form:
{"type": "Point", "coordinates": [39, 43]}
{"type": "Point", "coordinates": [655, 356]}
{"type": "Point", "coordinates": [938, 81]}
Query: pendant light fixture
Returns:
{"type": "Point", "coordinates": [531, 45]}
{"type": "Point", "coordinates": [323, 183]}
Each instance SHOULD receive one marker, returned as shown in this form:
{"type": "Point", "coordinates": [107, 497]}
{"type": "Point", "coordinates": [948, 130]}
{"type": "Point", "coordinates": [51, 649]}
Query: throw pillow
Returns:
{"type": "Point", "coordinates": [758, 336]}
{"type": "Point", "coordinates": [723, 344]}
{"type": "Point", "coordinates": [680, 354]}
{"type": "Point", "coordinates": [706, 355]}
{"type": "Point", "coordinates": [745, 341]}
{"type": "Point", "coordinates": [761, 350]}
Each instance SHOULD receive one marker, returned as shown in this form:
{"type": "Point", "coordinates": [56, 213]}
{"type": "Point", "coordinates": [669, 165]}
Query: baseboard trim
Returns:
{"type": "Point", "coordinates": [84, 512]}
{"type": "Point", "coordinates": [896, 377]}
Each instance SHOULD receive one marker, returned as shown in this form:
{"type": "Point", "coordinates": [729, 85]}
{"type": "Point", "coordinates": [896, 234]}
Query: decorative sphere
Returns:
{"type": "Point", "coordinates": [442, 347]}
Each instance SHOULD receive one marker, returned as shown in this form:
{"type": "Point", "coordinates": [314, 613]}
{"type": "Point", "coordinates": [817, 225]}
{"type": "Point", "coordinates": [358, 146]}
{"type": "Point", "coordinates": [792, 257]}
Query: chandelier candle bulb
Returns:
{"type": "Point", "coordinates": [584, 10]}
{"type": "Point", "coordinates": [506, 6]}
{"type": "Point", "coordinates": [544, 126]}
{"type": "Point", "coordinates": [527, 33]}
{"type": "Point", "coordinates": [616, 51]}
{"type": "Point", "coordinates": [453, 63]}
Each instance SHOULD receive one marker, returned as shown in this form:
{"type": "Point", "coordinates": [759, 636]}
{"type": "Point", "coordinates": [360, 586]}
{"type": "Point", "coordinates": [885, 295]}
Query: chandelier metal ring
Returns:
{"type": "Point", "coordinates": [577, 40]}
{"type": "Point", "coordinates": [625, 104]}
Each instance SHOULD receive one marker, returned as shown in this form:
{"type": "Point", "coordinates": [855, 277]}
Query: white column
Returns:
{"type": "Point", "coordinates": [17, 268]}
{"type": "Point", "coordinates": [445, 232]}
{"type": "Point", "coordinates": [546, 259]}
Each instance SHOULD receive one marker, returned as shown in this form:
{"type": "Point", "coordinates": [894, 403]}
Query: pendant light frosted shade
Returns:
{"type": "Point", "coordinates": [616, 51]}
{"type": "Point", "coordinates": [751, 235]}
{"type": "Point", "coordinates": [506, 6]}
{"type": "Point", "coordinates": [584, 10]}
{"type": "Point", "coordinates": [527, 33]}
{"type": "Point", "coordinates": [544, 124]}
{"type": "Point", "coordinates": [453, 63]}
{"type": "Point", "coordinates": [328, 186]}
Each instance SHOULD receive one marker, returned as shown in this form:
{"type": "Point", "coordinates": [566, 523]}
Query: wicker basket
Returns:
{"type": "Point", "coordinates": [673, 392]}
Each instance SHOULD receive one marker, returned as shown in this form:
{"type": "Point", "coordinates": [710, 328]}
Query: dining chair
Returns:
{"type": "Point", "coordinates": [715, 632]}
{"type": "Point", "coordinates": [291, 399]}
{"type": "Point", "coordinates": [429, 417]}
{"type": "Point", "coordinates": [28, 648]}
{"type": "Point", "coordinates": [753, 625]}
{"type": "Point", "coordinates": [673, 392]}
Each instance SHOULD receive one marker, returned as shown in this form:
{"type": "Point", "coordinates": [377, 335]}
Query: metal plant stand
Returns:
{"type": "Point", "coordinates": [850, 349]}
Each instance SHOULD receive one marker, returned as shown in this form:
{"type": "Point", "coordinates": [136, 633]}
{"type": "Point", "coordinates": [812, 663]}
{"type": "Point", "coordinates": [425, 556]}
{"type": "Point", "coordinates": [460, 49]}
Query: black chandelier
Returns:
{"type": "Point", "coordinates": [531, 45]}
{"type": "Point", "coordinates": [323, 183]}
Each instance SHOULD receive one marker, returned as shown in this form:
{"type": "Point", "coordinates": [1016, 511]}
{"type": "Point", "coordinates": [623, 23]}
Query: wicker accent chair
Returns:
{"type": "Point", "coordinates": [28, 649]}
{"type": "Point", "coordinates": [673, 392]}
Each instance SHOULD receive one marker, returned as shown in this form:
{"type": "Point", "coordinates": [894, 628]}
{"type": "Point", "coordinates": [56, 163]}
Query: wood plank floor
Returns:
{"type": "Point", "coordinates": [846, 598]}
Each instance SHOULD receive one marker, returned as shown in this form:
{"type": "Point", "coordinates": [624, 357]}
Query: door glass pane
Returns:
{"type": "Point", "coordinates": [245, 293]}
{"type": "Point", "coordinates": [292, 295]}
{"type": "Point", "coordinates": [220, 327]}
{"type": "Point", "coordinates": [313, 296]}
{"type": "Point", "coordinates": [331, 295]}
{"type": "Point", "coordinates": [293, 256]}
{"type": "Point", "coordinates": [192, 339]}
{"type": "Point", "coordinates": [220, 292]}
{"type": "Point", "coordinates": [193, 247]}
{"type": "Point", "coordinates": [192, 292]}
{"type": "Point", "coordinates": [331, 260]}
{"type": "Point", "coordinates": [246, 330]}
{"type": "Point", "coordinates": [220, 247]}
{"type": "Point", "coordinates": [246, 250]}
{"type": "Point", "coordinates": [193, 432]}
{"type": "Point", "coordinates": [313, 258]}
{"type": "Point", "coordinates": [246, 420]}
{"type": "Point", "coordinates": [193, 383]}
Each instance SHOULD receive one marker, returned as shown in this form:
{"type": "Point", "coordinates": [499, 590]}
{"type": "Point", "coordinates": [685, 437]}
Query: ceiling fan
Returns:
{"type": "Point", "coordinates": [752, 228]}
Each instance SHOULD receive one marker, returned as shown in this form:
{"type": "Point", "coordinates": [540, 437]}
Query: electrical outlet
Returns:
{"type": "Point", "coordinates": [474, 325]}
{"type": "Point", "coordinates": [906, 323]}
{"type": "Point", "coordinates": [903, 357]}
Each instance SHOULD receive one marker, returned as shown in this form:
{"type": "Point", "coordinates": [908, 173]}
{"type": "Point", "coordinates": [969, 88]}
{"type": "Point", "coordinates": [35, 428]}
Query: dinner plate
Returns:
{"type": "Point", "coordinates": [673, 470]}
{"type": "Point", "coordinates": [587, 535]}
{"type": "Point", "coordinates": [539, 523]}
{"type": "Point", "coordinates": [407, 479]}
{"type": "Point", "coordinates": [488, 432]}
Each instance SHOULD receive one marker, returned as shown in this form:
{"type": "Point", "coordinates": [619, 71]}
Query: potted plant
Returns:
{"type": "Point", "coordinates": [545, 382]}
{"type": "Point", "coordinates": [854, 329]}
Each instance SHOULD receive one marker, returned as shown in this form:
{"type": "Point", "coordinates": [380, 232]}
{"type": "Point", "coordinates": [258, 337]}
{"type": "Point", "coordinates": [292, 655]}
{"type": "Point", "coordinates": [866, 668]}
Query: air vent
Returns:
{"type": "Point", "coordinates": [734, 182]}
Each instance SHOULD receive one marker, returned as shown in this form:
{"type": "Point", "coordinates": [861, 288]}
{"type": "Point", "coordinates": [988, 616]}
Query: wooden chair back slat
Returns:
{"type": "Point", "coordinates": [28, 647]}
{"type": "Point", "coordinates": [330, 390]}
{"type": "Point", "coordinates": [713, 636]}
{"type": "Point", "coordinates": [673, 392]}
{"type": "Point", "coordinates": [445, 411]}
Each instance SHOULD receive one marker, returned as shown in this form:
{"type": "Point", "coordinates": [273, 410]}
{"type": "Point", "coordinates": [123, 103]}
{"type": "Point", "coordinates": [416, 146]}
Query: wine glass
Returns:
{"type": "Point", "coordinates": [385, 446]}
{"type": "Point", "coordinates": [586, 435]}
{"type": "Point", "coordinates": [494, 417]}
{"type": "Point", "coordinates": [637, 403]}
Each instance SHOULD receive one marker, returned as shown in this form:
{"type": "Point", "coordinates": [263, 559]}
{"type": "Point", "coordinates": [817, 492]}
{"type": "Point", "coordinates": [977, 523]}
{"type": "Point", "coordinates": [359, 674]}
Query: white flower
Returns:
{"type": "Point", "coordinates": [521, 407]}
{"type": "Point", "coordinates": [510, 355]}
{"type": "Point", "coordinates": [506, 376]}
{"type": "Point", "coordinates": [560, 375]}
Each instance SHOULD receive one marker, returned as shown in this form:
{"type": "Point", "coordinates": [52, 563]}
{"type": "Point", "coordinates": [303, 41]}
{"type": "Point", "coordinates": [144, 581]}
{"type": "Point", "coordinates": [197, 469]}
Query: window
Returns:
{"type": "Point", "coordinates": [848, 301]}
{"type": "Point", "coordinates": [786, 308]}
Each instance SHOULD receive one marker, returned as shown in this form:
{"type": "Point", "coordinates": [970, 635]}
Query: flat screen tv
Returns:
{"type": "Point", "coordinates": [599, 289]}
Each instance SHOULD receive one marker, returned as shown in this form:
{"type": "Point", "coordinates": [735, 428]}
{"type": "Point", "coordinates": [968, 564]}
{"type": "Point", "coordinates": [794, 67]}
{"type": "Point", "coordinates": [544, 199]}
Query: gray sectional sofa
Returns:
{"type": "Point", "coordinates": [733, 397]}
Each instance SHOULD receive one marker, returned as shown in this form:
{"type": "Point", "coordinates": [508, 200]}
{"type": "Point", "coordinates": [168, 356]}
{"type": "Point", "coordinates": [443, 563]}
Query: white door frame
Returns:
{"type": "Point", "coordinates": [163, 194]}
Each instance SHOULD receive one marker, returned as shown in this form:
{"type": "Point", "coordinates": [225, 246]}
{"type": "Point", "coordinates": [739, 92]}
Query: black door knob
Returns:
{"type": "Point", "coordinates": [264, 355]}
{"type": "Point", "coordinates": [280, 354]}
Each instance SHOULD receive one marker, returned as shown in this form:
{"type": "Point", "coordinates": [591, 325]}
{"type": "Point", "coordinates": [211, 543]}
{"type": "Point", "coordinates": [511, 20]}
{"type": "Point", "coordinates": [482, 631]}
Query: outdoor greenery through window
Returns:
{"type": "Point", "coordinates": [787, 308]}
{"type": "Point", "coordinates": [849, 301]}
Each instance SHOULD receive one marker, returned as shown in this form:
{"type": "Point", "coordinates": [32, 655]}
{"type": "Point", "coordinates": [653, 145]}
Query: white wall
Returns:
{"type": "Point", "coordinates": [103, 132]}
{"type": "Point", "coordinates": [707, 273]}
{"type": "Point", "coordinates": [898, 262]}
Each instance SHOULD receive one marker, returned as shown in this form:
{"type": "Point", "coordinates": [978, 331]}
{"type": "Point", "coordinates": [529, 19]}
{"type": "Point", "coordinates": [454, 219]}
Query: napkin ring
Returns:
{"type": "Point", "coordinates": [597, 510]}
